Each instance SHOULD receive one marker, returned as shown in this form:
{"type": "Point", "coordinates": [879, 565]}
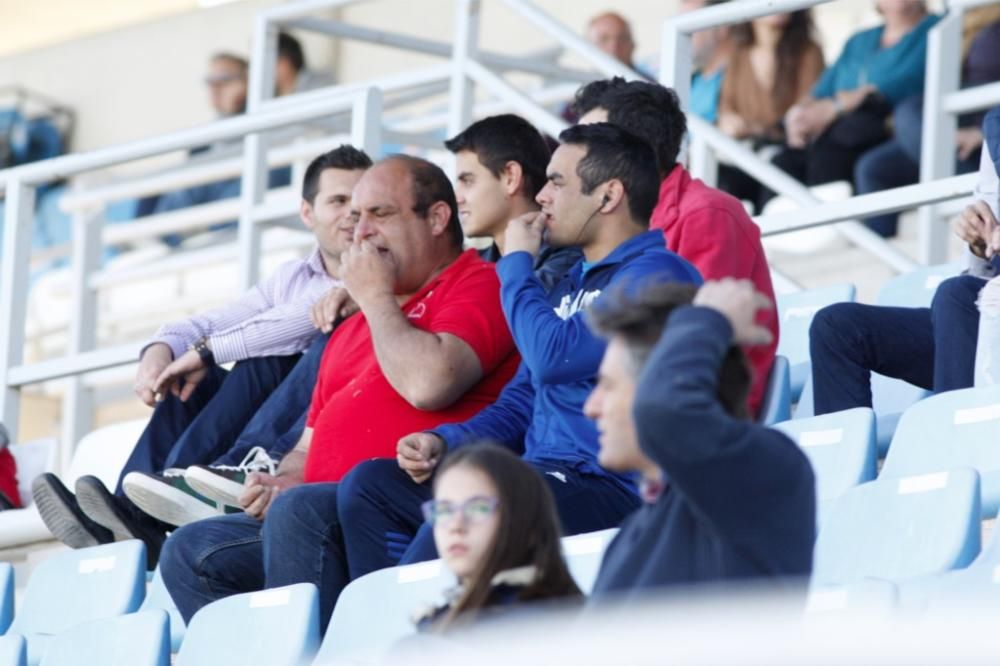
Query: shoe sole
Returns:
{"type": "Point", "coordinates": [96, 506]}
{"type": "Point", "coordinates": [214, 487]}
{"type": "Point", "coordinates": [164, 502]}
{"type": "Point", "coordinates": [59, 517]}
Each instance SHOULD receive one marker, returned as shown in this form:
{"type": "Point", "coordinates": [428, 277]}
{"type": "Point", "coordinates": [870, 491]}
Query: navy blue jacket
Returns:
{"type": "Point", "coordinates": [740, 499]}
{"type": "Point", "coordinates": [551, 264]}
{"type": "Point", "coordinates": [540, 412]}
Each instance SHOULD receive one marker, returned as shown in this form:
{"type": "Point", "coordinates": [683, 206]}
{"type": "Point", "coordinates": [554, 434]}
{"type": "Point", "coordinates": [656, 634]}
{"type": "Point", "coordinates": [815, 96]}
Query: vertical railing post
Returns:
{"type": "Point", "coordinates": [702, 161]}
{"type": "Point", "coordinates": [78, 403]}
{"type": "Point", "coordinates": [675, 62]}
{"type": "Point", "coordinates": [463, 48]}
{"type": "Point", "coordinates": [366, 122]}
{"type": "Point", "coordinates": [14, 286]}
{"type": "Point", "coordinates": [937, 149]}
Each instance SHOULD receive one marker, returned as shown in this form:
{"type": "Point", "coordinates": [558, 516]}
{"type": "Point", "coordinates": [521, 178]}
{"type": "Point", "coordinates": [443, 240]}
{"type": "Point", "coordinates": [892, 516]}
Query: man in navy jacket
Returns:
{"type": "Point", "coordinates": [602, 185]}
{"type": "Point", "coordinates": [723, 497]}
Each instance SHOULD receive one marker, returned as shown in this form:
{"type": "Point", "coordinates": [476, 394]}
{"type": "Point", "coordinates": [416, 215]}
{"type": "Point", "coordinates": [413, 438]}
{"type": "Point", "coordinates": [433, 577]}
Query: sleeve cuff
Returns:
{"type": "Point", "coordinates": [177, 344]}
{"type": "Point", "coordinates": [228, 347]}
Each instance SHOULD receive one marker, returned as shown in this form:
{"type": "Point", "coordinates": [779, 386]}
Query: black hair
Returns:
{"type": "Point", "coordinates": [431, 185]}
{"type": "Point", "coordinates": [290, 49]}
{"type": "Point", "coordinates": [613, 153]}
{"type": "Point", "coordinates": [498, 140]}
{"type": "Point", "coordinates": [343, 157]}
{"type": "Point", "coordinates": [639, 316]}
{"type": "Point", "coordinates": [651, 112]}
{"type": "Point", "coordinates": [591, 95]}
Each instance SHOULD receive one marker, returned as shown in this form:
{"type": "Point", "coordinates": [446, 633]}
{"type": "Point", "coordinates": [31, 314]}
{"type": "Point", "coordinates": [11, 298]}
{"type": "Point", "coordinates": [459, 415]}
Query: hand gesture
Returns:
{"type": "Point", "coordinates": [154, 360]}
{"type": "Point", "coordinates": [978, 227]}
{"type": "Point", "coordinates": [334, 305]}
{"type": "Point", "coordinates": [418, 454]}
{"type": "Point", "coordinates": [187, 370]}
{"type": "Point", "coordinates": [367, 273]}
{"type": "Point", "coordinates": [260, 490]}
{"type": "Point", "coordinates": [524, 234]}
{"type": "Point", "coordinates": [739, 302]}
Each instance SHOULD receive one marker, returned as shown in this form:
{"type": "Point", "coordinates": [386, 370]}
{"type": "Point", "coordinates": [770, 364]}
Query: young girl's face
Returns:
{"type": "Point", "coordinates": [466, 517]}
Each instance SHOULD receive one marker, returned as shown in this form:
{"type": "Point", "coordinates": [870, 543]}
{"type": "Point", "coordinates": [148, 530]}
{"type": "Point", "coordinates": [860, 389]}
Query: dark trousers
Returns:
{"type": "Point", "coordinates": [299, 541]}
{"type": "Point", "coordinates": [933, 348]}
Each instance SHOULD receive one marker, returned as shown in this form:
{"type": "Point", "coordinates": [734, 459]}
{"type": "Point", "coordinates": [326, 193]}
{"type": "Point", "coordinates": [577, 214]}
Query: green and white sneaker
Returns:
{"type": "Point", "coordinates": [168, 497]}
{"type": "Point", "coordinates": [223, 484]}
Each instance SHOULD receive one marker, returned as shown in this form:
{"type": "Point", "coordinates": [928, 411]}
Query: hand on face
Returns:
{"type": "Point", "coordinates": [739, 302]}
{"type": "Point", "coordinates": [524, 234]}
{"type": "Point", "coordinates": [367, 272]}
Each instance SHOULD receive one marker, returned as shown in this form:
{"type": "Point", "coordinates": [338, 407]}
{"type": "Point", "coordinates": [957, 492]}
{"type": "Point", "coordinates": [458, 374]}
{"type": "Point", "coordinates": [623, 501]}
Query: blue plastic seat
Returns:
{"type": "Point", "coordinates": [841, 448]}
{"type": "Point", "coordinates": [948, 430]}
{"type": "Point", "coordinates": [158, 598]}
{"type": "Point", "coordinates": [584, 553]}
{"type": "Point", "coordinates": [897, 529]}
{"type": "Point", "coordinates": [138, 639]}
{"type": "Point", "coordinates": [868, 597]}
{"type": "Point", "coordinates": [795, 314]}
{"type": "Point", "coordinates": [278, 627]}
{"type": "Point", "coordinates": [13, 651]}
{"type": "Point", "coordinates": [916, 288]}
{"type": "Point", "coordinates": [377, 610]}
{"type": "Point", "coordinates": [77, 586]}
{"type": "Point", "coordinates": [6, 596]}
{"type": "Point", "coordinates": [777, 404]}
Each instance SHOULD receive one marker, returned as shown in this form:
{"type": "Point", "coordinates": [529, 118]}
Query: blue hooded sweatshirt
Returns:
{"type": "Point", "coordinates": [540, 412]}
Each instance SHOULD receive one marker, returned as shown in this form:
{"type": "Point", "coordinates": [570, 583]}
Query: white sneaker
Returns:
{"type": "Point", "coordinates": [168, 497]}
{"type": "Point", "coordinates": [224, 483]}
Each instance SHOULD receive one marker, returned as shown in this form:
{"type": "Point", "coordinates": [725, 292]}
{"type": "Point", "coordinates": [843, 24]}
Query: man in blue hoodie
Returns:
{"type": "Point", "coordinates": [723, 497]}
{"type": "Point", "coordinates": [602, 187]}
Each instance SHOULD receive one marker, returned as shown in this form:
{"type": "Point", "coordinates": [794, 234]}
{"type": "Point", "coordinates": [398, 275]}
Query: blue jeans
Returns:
{"type": "Point", "coordinates": [381, 520]}
{"type": "Point", "coordinates": [933, 348]}
{"type": "Point", "coordinates": [299, 541]}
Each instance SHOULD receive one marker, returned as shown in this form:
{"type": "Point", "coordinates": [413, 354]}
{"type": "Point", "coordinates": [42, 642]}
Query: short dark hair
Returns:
{"type": "Point", "coordinates": [653, 113]}
{"type": "Point", "coordinates": [613, 153]}
{"type": "Point", "coordinates": [639, 317]}
{"type": "Point", "coordinates": [591, 95]}
{"type": "Point", "coordinates": [431, 185]}
{"type": "Point", "coordinates": [343, 157]}
{"type": "Point", "coordinates": [498, 140]}
{"type": "Point", "coordinates": [290, 49]}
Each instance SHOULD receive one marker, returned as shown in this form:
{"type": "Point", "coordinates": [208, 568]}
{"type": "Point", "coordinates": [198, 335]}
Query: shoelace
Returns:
{"type": "Point", "coordinates": [256, 460]}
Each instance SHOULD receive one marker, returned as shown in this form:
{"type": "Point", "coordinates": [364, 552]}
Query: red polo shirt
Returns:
{"type": "Point", "coordinates": [712, 230]}
{"type": "Point", "coordinates": [356, 414]}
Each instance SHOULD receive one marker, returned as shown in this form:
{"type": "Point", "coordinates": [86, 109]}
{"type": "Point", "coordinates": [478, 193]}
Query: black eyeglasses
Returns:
{"type": "Point", "coordinates": [475, 509]}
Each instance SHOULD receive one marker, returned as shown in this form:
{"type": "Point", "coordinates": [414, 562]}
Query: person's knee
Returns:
{"type": "Point", "coordinates": [868, 173]}
{"type": "Point", "coordinates": [180, 551]}
{"type": "Point", "coordinates": [356, 488]}
{"type": "Point", "coordinates": [292, 510]}
{"type": "Point", "coordinates": [956, 295]}
{"type": "Point", "coordinates": [830, 323]}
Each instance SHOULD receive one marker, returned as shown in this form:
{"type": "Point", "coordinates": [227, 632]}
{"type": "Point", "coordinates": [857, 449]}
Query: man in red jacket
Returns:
{"type": "Point", "coordinates": [707, 227]}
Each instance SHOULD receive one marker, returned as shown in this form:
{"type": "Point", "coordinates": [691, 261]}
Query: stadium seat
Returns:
{"type": "Point", "coordinates": [795, 314]}
{"type": "Point", "coordinates": [777, 404]}
{"type": "Point", "coordinates": [362, 630]}
{"type": "Point", "coordinates": [949, 430]}
{"type": "Point", "coordinates": [76, 586]}
{"type": "Point", "coordinates": [21, 526]}
{"type": "Point", "coordinates": [103, 452]}
{"type": "Point", "coordinates": [157, 598]}
{"type": "Point", "coordinates": [138, 639]}
{"type": "Point", "coordinates": [13, 651]}
{"type": "Point", "coordinates": [278, 627]}
{"type": "Point", "coordinates": [916, 288]}
{"type": "Point", "coordinates": [868, 597]}
{"type": "Point", "coordinates": [841, 448]}
{"type": "Point", "coordinates": [897, 529]}
{"type": "Point", "coordinates": [584, 553]}
{"type": "Point", "coordinates": [6, 596]}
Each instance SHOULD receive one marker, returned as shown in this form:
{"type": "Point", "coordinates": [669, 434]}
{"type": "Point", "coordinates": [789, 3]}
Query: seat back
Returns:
{"type": "Point", "coordinates": [104, 451]}
{"type": "Point", "coordinates": [949, 430]}
{"type": "Point", "coordinates": [777, 404]}
{"type": "Point", "coordinates": [158, 598]}
{"type": "Point", "coordinates": [376, 610]}
{"type": "Point", "coordinates": [76, 586]}
{"type": "Point", "coordinates": [916, 288]}
{"type": "Point", "coordinates": [278, 627]}
{"type": "Point", "coordinates": [138, 639]}
{"type": "Point", "coordinates": [13, 650]}
{"type": "Point", "coordinates": [584, 553]}
{"type": "Point", "coordinates": [896, 529]}
{"type": "Point", "coordinates": [841, 448]}
{"type": "Point", "coordinates": [795, 314]}
{"type": "Point", "coordinates": [869, 597]}
{"type": "Point", "coordinates": [6, 596]}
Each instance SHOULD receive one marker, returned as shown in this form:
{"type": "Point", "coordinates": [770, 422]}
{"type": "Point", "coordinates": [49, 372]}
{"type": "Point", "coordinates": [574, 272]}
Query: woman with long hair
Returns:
{"type": "Point", "coordinates": [496, 528]}
{"type": "Point", "coordinates": [775, 63]}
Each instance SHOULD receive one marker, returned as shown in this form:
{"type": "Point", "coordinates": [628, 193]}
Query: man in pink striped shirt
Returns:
{"type": "Point", "coordinates": [200, 408]}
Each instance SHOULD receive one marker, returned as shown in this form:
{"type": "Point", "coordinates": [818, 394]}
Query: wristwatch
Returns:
{"type": "Point", "coordinates": [204, 352]}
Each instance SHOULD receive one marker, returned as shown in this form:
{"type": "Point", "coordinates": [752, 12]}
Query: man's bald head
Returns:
{"type": "Point", "coordinates": [611, 33]}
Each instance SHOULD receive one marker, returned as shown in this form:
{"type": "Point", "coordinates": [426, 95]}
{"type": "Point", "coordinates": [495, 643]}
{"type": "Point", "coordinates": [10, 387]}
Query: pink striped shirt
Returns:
{"type": "Point", "coordinates": [272, 319]}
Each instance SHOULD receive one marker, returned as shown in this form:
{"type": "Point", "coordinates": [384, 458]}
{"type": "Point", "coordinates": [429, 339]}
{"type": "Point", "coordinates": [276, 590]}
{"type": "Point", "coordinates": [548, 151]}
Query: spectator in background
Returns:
{"type": "Point", "coordinates": [847, 111]}
{"type": "Point", "coordinates": [291, 74]}
{"type": "Point", "coordinates": [933, 348]}
{"type": "Point", "coordinates": [723, 497]}
{"type": "Point", "coordinates": [711, 52]}
{"type": "Point", "coordinates": [10, 498]}
{"type": "Point", "coordinates": [611, 33]}
{"type": "Point", "coordinates": [774, 63]}
{"type": "Point", "coordinates": [707, 227]}
{"type": "Point", "coordinates": [497, 529]}
{"type": "Point", "coordinates": [896, 162]}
